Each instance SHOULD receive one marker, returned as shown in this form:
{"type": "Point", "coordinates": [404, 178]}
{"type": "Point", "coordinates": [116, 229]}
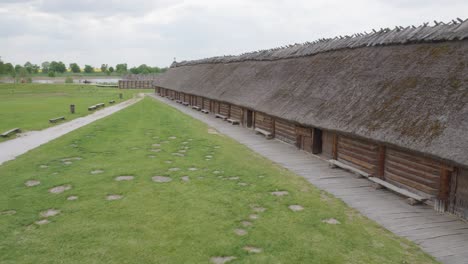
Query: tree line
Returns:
{"type": "Point", "coordinates": [53, 67]}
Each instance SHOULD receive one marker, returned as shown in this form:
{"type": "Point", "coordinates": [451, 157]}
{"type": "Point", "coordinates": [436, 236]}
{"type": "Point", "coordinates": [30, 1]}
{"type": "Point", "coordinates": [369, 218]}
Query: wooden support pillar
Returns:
{"type": "Point", "coordinates": [273, 123]}
{"type": "Point", "coordinates": [335, 146]}
{"type": "Point", "coordinates": [229, 111]}
{"type": "Point", "coordinates": [441, 204]}
{"type": "Point", "coordinates": [381, 162]}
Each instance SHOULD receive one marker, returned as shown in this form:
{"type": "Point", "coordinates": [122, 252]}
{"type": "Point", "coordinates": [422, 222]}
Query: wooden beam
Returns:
{"type": "Point", "coordinates": [335, 146]}
{"type": "Point", "coordinates": [445, 179]}
{"type": "Point", "coordinates": [381, 162]}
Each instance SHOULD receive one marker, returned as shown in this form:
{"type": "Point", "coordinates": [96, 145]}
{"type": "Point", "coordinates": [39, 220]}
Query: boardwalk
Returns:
{"type": "Point", "coordinates": [443, 236]}
{"type": "Point", "coordinates": [11, 149]}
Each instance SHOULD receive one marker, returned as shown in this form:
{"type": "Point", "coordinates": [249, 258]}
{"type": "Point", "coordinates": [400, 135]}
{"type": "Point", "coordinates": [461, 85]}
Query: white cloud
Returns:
{"type": "Point", "coordinates": [153, 32]}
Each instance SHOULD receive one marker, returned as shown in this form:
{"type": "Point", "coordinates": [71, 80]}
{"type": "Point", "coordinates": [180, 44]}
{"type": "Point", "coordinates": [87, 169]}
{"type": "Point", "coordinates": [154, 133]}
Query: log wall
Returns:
{"type": "Point", "coordinates": [327, 144]}
{"type": "Point", "coordinates": [459, 193]}
{"type": "Point", "coordinates": [206, 104]}
{"type": "Point", "coordinates": [224, 109]}
{"type": "Point", "coordinates": [285, 131]}
{"type": "Point", "coordinates": [304, 138]}
{"type": "Point", "coordinates": [236, 113]}
{"type": "Point", "coordinates": [130, 84]}
{"type": "Point", "coordinates": [264, 122]}
{"type": "Point", "coordinates": [358, 153]}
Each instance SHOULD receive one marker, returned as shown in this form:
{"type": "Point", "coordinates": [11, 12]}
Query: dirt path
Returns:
{"type": "Point", "coordinates": [11, 149]}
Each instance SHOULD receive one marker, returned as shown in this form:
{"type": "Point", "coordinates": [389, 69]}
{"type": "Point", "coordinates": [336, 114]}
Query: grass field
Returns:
{"type": "Point", "coordinates": [30, 106]}
{"type": "Point", "coordinates": [210, 213]}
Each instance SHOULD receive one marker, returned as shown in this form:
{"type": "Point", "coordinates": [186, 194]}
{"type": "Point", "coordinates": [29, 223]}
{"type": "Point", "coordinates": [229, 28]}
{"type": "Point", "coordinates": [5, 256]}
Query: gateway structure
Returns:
{"type": "Point", "coordinates": [391, 105]}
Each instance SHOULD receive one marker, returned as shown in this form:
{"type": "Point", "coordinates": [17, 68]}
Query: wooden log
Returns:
{"type": "Point", "coordinates": [381, 162]}
{"type": "Point", "coordinates": [11, 131]}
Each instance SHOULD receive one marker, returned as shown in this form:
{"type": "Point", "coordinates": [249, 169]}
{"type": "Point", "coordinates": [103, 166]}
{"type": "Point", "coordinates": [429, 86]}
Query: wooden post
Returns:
{"type": "Point", "coordinates": [445, 178]}
{"type": "Point", "coordinates": [229, 111]}
{"type": "Point", "coordinates": [72, 108]}
{"type": "Point", "coordinates": [381, 162]}
{"type": "Point", "coordinates": [120, 95]}
{"type": "Point", "coordinates": [335, 146]}
{"type": "Point", "coordinates": [273, 124]}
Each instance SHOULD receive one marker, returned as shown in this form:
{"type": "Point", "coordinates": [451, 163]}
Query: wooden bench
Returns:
{"type": "Point", "coordinates": [100, 105]}
{"type": "Point", "coordinates": [112, 102]}
{"type": "Point", "coordinates": [11, 131]}
{"type": "Point", "coordinates": [185, 103]}
{"type": "Point", "coordinates": [91, 108]}
{"type": "Point", "coordinates": [205, 111]}
{"type": "Point", "coordinates": [57, 119]}
{"type": "Point", "coordinates": [413, 198]}
{"type": "Point", "coordinates": [233, 121]}
{"type": "Point", "coordinates": [268, 135]}
{"type": "Point", "coordinates": [178, 101]}
{"type": "Point", "coordinates": [196, 108]}
{"type": "Point", "coordinates": [220, 116]}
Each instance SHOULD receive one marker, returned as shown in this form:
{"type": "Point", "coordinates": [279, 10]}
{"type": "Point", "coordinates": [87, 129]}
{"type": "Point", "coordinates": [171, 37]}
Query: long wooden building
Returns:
{"type": "Point", "coordinates": [391, 105]}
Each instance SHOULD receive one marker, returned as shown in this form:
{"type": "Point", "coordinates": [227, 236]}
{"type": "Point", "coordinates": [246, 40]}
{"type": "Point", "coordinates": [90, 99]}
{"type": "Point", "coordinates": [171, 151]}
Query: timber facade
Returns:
{"type": "Point", "coordinates": [395, 113]}
{"type": "Point", "coordinates": [135, 84]}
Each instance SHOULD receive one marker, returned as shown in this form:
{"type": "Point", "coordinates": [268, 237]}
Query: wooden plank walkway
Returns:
{"type": "Point", "coordinates": [443, 236]}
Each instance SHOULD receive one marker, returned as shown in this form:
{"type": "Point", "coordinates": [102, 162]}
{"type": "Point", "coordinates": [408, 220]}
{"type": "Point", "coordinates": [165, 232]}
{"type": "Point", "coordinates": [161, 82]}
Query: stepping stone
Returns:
{"type": "Point", "coordinates": [174, 169]}
{"type": "Point", "coordinates": [243, 184]}
{"type": "Point", "coordinates": [97, 171]}
{"type": "Point", "coordinates": [182, 151]}
{"type": "Point", "coordinates": [156, 145]}
{"type": "Point", "coordinates": [151, 156]}
{"type": "Point", "coordinates": [192, 169]}
{"type": "Point", "coordinates": [186, 147]}
{"type": "Point", "coordinates": [156, 150]}
{"type": "Point", "coordinates": [258, 209]}
{"type": "Point", "coordinates": [67, 162]}
{"type": "Point", "coordinates": [42, 222]}
{"type": "Point", "coordinates": [8, 212]}
{"type": "Point", "coordinates": [164, 142]}
{"type": "Point", "coordinates": [190, 139]}
{"type": "Point", "coordinates": [60, 189]}
{"type": "Point", "coordinates": [208, 156]}
{"type": "Point", "coordinates": [72, 198]}
{"type": "Point", "coordinates": [261, 176]}
{"type": "Point", "coordinates": [43, 166]}
{"type": "Point", "coordinates": [253, 216]}
{"type": "Point", "coordinates": [185, 178]}
{"type": "Point", "coordinates": [280, 193]}
{"type": "Point", "coordinates": [240, 232]}
{"type": "Point", "coordinates": [135, 148]}
{"type": "Point", "coordinates": [161, 179]}
{"type": "Point", "coordinates": [49, 213]}
{"type": "Point", "coordinates": [178, 154]}
{"type": "Point", "coordinates": [172, 137]}
{"type": "Point", "coordinates": [201, 177]}
{"type": "Point", "coordinates": [73, 145]}
{"type": "Point", "coordinates": [331, 221]}
{"type": "Point", "coordinates": [222, 260]}
{"type": "Point", "coordinates": [185, 142]}
{"type": "Point", "coordinates": [251, 249]}
{"type": "Point", "coordinates": [124, 178]}
{"type": "Point", "coordinates": [217, 172]}
{"type": "Point", "coordinates": [113, 197]}
{"type": "Point", "coordinates": [168, 162]}
{"type": "Point", "coordinates": [233, 178]}
{"type": "Point", "coordinates": [246, 223]}
{"type": "Point", "coordinates": [217, 147]}
{"type": "Point", "coordinates": [296, 208]}
{"type": "Point", "coordinates": [32, 183]}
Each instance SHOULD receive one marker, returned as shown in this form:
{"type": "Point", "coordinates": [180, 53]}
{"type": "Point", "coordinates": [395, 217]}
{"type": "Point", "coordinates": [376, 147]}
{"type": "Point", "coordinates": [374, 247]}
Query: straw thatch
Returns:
{"type": "Point", "coordinates": [414, 96]}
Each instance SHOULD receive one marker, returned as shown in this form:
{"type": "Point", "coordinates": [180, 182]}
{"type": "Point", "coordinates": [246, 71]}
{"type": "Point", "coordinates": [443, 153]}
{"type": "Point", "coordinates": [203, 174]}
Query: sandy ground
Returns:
{"type": "Point", "coordinates": [11, 149]}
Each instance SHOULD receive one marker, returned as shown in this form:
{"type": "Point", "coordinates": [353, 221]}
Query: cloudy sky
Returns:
{"type": "Point", "coordinates": [154, 32]}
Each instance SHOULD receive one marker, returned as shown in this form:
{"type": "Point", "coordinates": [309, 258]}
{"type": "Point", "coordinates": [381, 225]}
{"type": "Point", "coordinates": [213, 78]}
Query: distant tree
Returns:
{"type": "Point", "coordinates": [45, 66]}
{"type": "Point", "coordinates": [51, 74]}
{"type": "Point", "coordinates": [121, 68]}
{"type": "Point", "coordinates": [35, 68]}
{"type": "Point", "coordinates": [8, 68]}
{"type": "Point", "coordinates": [2, 66]}
{"type": "Point", "coordinates": [103, 67]}
{"type": "Point", "coordinates": [88, 69]}
{"type": "Point", "coordinates": [18, 68]}
{"type": "Point", "coordinates": [21, 74]}
{"type": "Point", "coordinates": [28, 66]}
{"type": "Point", "coordinates": [75, 68]}
{"type": "Point", "coordinates": [57, 67]}
{"type": "Point", "coordinates": [111, 69]}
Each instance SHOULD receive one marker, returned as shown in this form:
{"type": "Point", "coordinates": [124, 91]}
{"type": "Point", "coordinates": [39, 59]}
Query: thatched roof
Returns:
{"type": "Point", "coordinates": [414, 96]}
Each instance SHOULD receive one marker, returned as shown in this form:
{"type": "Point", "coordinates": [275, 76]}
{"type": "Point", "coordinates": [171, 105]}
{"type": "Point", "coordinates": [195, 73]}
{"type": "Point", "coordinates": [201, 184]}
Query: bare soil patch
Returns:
{"type": "Point", "coordinates": [222, 260]}
{"type": "Point", "coordinates": [258, 209]}
{"type": "Point", "coordinates": [124, 178]}
{"type": "Point", "coordinates": [8, 212]}
{"type": "Point", "coordinates": [251, 249]}
{"type": "Point", "coordinates": [32, 183]}
{"type": "Point", "coordinates": [49, 213]}
{"type": "Point", "coordinates": [246, 223]}
{"type": "Point", "coordinates": [60, 189]}
{"type": "Point", "coordinates": [113, 197]}
{"type": "Point", "coordinates": [161, 179]}
{"type": "Point", "coordinates": [296, 207]}
{"type": "Point", "coordinates": [240, 232]}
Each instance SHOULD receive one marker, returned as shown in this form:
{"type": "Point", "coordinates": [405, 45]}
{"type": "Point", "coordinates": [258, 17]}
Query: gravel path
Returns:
{"type": "Point", "coordinates": [11, 149]}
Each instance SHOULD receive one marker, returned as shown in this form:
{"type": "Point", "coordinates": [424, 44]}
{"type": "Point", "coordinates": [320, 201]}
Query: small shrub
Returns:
{"type": "Point", "coordinates": [69, 80]}
{"type": "Point", "coordinates": [51, 74]}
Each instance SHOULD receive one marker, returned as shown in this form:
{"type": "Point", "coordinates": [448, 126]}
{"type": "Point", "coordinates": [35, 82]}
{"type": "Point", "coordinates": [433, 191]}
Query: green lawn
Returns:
{"type": "Point", "coordinates": [30, 106]}
{"type": "Point", "coordinates": [177, 221]}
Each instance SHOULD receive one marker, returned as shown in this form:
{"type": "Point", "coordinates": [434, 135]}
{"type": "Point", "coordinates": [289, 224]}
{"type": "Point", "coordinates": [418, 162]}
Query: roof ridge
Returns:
{"type": "Point", "coordinates": [439, 31]}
